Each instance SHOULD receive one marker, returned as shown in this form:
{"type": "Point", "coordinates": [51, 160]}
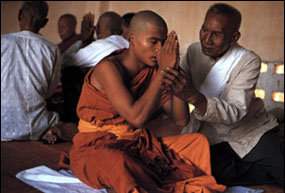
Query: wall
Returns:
{"type": "Point", "coordinates": [262, 28]}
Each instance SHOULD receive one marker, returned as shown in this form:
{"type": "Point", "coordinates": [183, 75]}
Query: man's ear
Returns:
{"type": "Point", "coordinates": [19, 14]}
{"type": "Point", "coordinates": [235, 38]}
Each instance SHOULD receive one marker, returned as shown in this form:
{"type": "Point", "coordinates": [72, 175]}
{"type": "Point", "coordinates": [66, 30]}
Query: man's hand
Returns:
{"type": "Point", "coordinates": [87, 27]}
{"type": "Point", "coordinates": [181, 85]}
{"type": "Point", "coordinates": [178, 83]}
{"type": "Point", "coordinates": [169, 53]}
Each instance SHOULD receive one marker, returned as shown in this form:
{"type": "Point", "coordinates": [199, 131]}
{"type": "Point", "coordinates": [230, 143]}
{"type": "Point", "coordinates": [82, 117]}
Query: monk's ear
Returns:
{"type": "Point", "coordinates": [131, 37]}
{"type": "Point", "coordinates": [235, 38]}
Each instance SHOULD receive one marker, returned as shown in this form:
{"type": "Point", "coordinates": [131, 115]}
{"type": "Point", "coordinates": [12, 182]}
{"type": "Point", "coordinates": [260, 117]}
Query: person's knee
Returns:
{"type": "Point", "coordinates": [201, 139]}
{"type": "Point", "coordinates": [197, 140]}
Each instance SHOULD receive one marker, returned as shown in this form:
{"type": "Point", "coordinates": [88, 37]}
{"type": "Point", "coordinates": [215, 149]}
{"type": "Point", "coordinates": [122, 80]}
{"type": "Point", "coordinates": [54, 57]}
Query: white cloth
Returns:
{"type": "Point", "coordinates": [241, 189]}
{"type": "Point", "coordinates": [30, 72]}
{"type": "Point", "coordinates": [51, 181]}
{"type": "Point", "coordinates": [90, 55]}
{"type": "Point", "coordinates": [219, 74]}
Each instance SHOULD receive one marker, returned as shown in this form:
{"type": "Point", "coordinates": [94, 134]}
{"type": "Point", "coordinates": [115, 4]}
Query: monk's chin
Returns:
{"type": "Point", "coordinates": [153, 65]}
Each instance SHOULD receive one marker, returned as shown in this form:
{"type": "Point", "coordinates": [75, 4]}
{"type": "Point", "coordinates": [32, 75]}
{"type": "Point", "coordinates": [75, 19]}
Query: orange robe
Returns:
{"type": "Point", "coordinates": [109, 152]}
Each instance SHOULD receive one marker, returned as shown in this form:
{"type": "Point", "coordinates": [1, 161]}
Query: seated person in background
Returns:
{"type": "Point", "coordinates": [66, 30]}
{"type": "Point", "coordinates": [126, 23]}
{"type": "Point", "coordinates": [108, 30]}
{"type": "Point", "coordinates": [72, 77]}
{"type": "Point", "coordinates": [30, 72]}
{"type": "Point", "coordinates": [76, 64]}
{"type": "Point", "coordinates": [219, 78]}
{"type": "Point", "coordinates": [72, 42]}
{"type": "Point", "coordinates": [119, 95]}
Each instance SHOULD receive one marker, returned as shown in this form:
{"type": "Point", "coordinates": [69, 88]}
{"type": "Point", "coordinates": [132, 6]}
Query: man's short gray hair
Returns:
{"type": "Point", "coordinates": [228, 11]}
{"type": "Point", "coordinates": [38, 11]}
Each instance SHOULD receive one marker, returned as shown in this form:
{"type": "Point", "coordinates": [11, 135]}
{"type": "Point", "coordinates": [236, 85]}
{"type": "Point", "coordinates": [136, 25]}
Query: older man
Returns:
{"type": "Point", "coordinates": [219, 79]}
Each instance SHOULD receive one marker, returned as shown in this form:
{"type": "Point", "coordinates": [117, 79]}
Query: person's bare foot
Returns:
{"type": "Point", "coordinates": [49, 137]}
{"type": "Point", "coordinates": [63, 131]}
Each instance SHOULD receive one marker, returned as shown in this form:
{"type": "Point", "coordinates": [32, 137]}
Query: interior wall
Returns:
{"type": "Point", "coordinates": [262, 28]}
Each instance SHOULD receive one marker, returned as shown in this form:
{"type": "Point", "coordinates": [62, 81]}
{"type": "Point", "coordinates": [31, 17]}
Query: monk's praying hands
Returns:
{"type": "Point", "coordinates": [87, 27]}
{"type": "Point", "coordinates": [169, 53]}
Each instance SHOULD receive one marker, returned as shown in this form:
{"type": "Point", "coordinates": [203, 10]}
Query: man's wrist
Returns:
{"type": "Point", "coordinates": [194, 98]}
{"type": "Point", "coordinates": [199, 101]}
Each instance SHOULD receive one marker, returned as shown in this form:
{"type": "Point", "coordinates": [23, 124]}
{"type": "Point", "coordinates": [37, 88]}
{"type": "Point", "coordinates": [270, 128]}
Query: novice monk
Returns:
{"type": "Point", "coordinates": [120, 94]}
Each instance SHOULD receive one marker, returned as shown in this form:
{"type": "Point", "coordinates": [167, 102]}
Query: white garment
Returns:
{"type": "Point", "coordinates": [219, 74]}
{"type": "Point", "coordinates": [51, 181]}
{"type": "Point", "coordinates": [90, 55]}
{"type": "Point", "coordinates": [235, 115]}
{"type": "Point", "coordinates": [30, 72]}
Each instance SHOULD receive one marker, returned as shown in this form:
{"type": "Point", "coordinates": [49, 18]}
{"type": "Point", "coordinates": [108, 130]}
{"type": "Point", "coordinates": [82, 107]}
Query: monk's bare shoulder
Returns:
{"type": "Point", "coordinates": [107, 71]}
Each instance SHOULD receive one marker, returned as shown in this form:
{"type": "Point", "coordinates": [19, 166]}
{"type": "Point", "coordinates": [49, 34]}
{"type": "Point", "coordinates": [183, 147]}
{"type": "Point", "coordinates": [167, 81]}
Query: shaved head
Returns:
{"type": "Point", "coordinates": [147, 34]}
{"type": "Point", "coordinates": [71, 19]}
{"type": "Point", "coordinates": [109, 23]}
{"type": "Point", "coordinates": [142, 18]}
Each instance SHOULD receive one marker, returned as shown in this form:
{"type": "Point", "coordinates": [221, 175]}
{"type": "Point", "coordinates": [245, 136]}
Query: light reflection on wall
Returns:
{"type": "Point", "coordinates": [259, 93]}
{"type": "Point", "coordinates": [278, 97]}
{"type": "Point", "coordinates": [263, 67]}
{"type": "Point", "coordinates": [279, 69]}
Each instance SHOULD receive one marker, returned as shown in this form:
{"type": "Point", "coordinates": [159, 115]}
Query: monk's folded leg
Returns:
{"type": "Point", "coordinates": [192, 146]}
{"type": "Point", "coordinates": [109, 168]}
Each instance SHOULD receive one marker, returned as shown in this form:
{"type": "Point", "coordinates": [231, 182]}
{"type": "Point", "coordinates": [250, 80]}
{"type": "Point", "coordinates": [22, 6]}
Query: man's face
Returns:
{"type": "Point", "coordinates": [215, 35]}
{"type": "Point", "coordinates": [65, 28]}
{"type": "Point", "coordinates": [147, 44]}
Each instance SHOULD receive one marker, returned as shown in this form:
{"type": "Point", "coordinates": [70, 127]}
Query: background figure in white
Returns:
{"type": "Point", "coordinates": [77, 63]}
{"type": "Point", "coordinates": [30, 72]}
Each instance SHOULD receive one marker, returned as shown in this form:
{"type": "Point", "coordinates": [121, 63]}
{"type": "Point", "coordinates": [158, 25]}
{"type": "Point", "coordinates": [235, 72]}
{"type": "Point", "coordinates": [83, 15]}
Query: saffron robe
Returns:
{"type": "Point", "coordinates": [109, 152]}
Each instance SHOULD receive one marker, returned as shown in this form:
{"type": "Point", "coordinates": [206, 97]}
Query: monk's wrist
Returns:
{"type": "Point", "coordinates": [159, 79]}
